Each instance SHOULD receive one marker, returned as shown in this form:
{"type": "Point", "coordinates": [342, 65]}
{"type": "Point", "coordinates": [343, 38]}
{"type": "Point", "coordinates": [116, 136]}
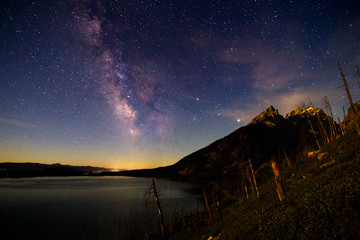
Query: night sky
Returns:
{"type": "Point", "coordinates": [137, 84]}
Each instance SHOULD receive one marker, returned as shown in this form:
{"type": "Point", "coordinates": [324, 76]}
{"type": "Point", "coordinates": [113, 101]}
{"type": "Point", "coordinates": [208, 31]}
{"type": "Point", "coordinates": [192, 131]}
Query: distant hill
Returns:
{"type": "Point", "coordinates": [9, 169]}
{"type": "Point", "coordinates": [269, 135]}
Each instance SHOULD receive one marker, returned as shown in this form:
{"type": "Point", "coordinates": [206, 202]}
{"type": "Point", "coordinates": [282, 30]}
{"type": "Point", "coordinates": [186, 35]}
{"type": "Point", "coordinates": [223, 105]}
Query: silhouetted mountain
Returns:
{"type": "Point", "coordinates": [37, 169]}
{"type": "Point", "coordinates": [269, 135]}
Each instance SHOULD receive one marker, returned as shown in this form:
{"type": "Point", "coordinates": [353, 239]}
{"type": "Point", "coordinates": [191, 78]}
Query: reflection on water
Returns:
{"type": "Point", "coordinates": [74, 207]}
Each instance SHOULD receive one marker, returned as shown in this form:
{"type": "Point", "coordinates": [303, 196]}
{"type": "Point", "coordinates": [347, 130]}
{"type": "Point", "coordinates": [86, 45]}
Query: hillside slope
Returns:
{"type": "Point", "coordinates": [322, 196]}
{"type": "Point", "coordinates": [269, 135]}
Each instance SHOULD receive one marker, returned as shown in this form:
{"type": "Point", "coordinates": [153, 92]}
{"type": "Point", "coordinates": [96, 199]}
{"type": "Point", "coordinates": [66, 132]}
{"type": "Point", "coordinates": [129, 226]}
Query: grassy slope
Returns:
{"type": "Point", "coordinates": [321, 203]}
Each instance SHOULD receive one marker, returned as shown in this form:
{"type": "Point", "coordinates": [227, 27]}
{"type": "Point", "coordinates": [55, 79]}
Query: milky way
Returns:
{"type": "Point", "coordinates": [143, 83]}
{"type": "Point", "coordinates": [131, 91]}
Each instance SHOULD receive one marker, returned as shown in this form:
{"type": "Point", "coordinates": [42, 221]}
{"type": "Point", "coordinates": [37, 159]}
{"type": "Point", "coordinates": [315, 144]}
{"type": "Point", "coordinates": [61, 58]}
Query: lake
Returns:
{"type": "Point", "coordinates": [83, 207]}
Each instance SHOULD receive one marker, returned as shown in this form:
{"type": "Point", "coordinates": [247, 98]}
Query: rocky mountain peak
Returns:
{"type": "Point", "coordinates": [270, 117]}
{"type": "Point", "coordinates": [298, 111]}
{"type": "Point", "coordinates": [267, 136]}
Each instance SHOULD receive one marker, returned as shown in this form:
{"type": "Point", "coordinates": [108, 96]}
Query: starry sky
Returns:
{"type": "Point", "coordinates": [137, 84]}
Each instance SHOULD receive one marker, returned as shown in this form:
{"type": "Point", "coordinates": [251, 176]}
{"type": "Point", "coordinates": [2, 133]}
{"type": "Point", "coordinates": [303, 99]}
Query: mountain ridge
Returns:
{"type": "Point", "coordinates": [30, 169]}
{"type": "Point", "coordinates": [268, 136]}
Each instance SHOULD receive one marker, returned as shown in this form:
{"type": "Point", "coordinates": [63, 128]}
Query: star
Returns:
{"type": "Point", "coordinates": [128, 79]}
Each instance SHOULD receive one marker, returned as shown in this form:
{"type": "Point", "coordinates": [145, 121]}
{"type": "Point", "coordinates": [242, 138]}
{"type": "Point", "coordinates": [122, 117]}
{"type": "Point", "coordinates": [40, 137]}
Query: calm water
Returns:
{"type": "Point", "coordinates": [74, 207]}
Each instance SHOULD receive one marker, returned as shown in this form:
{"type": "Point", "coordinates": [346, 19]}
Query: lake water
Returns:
{"type": "Point", "coordinates": [82, 207]}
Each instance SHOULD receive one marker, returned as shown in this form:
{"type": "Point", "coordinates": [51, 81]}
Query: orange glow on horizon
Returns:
{"type": "Point", "coordinates": [84, 157]}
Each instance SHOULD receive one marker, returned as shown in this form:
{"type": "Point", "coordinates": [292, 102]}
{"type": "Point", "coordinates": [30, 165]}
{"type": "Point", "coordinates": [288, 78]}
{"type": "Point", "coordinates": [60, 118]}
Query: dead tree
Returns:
{"type": "Point", "coordinates": [321, 125]}
{"type": "Point", "coordinates": [157, 200]}
{"type": "Point", "coordinates": [317, 142]}
{"type": "Point", "coordinates": [250, 180]}
{"type": "Point", "coordinates": [343, 132]}
{"type": "Point", "coordinates": [246, 191]}
{"type": "Point", "coordinates": [254, 179]}
{"type": "Point", "coordinates": [208, 207]}
{"type": "Point", "coordinates": [217, 199]}
{"type": "Point", "coordinates": [288, 162]}
{"type": "Point", "coordinates": [347, 89]}
{"type": "Point", "coordinates": [279, 188]}
{"type": "Point", "coordinates": [332, 126]}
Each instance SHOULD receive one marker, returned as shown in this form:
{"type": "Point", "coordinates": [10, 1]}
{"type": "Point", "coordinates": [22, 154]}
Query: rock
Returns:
{"type": "Point", "coordinates": [270, 117]}
{"type": "Point", "coordinates": [310, 111]}
{"type": "Point", "coordinates": [269, 135]}
{"type": "Point", "coordinates": [297, 111]}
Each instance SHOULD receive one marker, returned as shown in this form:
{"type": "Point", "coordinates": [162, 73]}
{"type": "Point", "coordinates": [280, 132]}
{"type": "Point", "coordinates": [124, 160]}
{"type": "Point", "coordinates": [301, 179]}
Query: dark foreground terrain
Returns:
{"type": "Point", "coordinates": [322, 201]}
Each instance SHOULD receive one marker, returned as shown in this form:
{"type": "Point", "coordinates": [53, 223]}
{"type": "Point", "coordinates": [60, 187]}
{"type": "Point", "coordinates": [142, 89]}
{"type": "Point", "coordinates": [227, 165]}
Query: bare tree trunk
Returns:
{"type": "Point", "coordinates": [219, 208]}
{"type": "Point", "coordinates": [311, 104]}
{"type": "Point", "coordinates": [246, 191]}
{"type": "Point", "coordinates": [321, 127]}
{"type": "Point", "coordinates": [207, 206]}
{"type": "Point", "coordinates": [327, 103]}
{"type": "Point", "coordinates": [157, 200]}
{"type": "Point", "coordinates": [279, 189]}
{"type": "Point", "coordinates": [317, 142]}
{"type": "Point", "coordinates": [288, 162]}
{"type": "Point", "coordinates": [332, 125]}
{"type": "Point", "coordinates": [254, 179]}
{"type": "Point", "coordinates": [250, 181]}
{"type": "Point", "coordinates": [347, 89]}
{"type": "Point", "coordinates": [341, 127]}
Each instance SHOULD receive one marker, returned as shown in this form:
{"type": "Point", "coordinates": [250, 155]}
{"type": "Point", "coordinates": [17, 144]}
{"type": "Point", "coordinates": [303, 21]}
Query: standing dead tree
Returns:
{"type": "Point", "coordinates": [246, 191]}
{"type": "Point", "coordinates": [250, 181]}
{"type": "Point", "coordinates": [287, 159]}
{"type": "Point", "coordinates": [313, 131]}
{"type": "Point", "coordinates": [347, 89]}
{"type": "Point", "coordinates": [343, 131]}
{"type": "Point", "coordinates": [320, 124]}
{"type": "Point", "coordinates": [279, 188]}
{"type": "Point", "coordinates": [208, 207]}
{"type": "Point", "coordinates": [332, 126]}
{"type": "Point", "coordinates": [254, 179]}
{"type": "Point", "coordinates": [356, 118]}
{"type": "Point", "coordinates": [216, 197]}
{"type": "Point", "coordinates": [218, 205]}
{"type": "Point", "coordinates": [157, 200]}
